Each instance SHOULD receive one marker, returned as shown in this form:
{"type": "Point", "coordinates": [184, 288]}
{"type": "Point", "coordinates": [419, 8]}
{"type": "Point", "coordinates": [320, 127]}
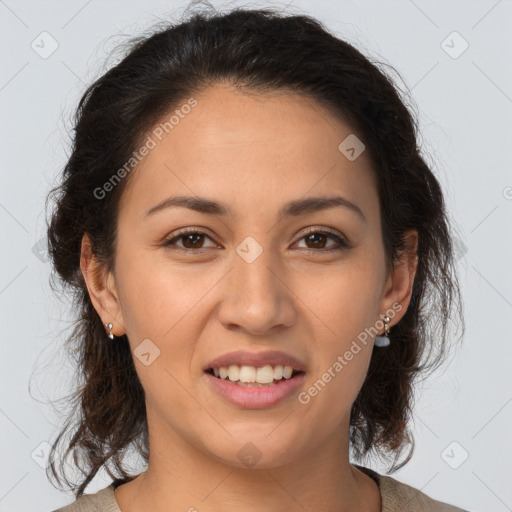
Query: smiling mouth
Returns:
{"type": "Point", "coordinates": [248, 376]}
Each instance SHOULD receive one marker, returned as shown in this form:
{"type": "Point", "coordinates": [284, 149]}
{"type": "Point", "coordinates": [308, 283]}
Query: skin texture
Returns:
{"type": "Point", "coordinates": [254, 153]}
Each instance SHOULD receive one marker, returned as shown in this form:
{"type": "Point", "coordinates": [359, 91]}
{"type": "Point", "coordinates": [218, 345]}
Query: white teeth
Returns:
{"type": "Point", "coordinates": [265, 374]}
{"type": "Point", "coordinates": [251, 374]}
{"type": "Point", "coordinates": [278, 372]}
{"type": "Point", "coordinates": [234, 372]}
{"type": "Point", "coordinates": [255, 384]}
{"type": "Point", "coordinates": [247, 374]}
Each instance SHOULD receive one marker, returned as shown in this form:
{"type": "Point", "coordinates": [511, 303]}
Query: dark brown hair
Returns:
{"type": "Point", "coordinates": [257, 51]}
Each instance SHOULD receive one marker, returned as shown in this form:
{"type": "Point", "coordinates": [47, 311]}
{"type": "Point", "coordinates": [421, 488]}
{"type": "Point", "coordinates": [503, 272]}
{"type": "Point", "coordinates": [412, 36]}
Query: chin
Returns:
{"type": "Point", "coordinates": [254, 451]}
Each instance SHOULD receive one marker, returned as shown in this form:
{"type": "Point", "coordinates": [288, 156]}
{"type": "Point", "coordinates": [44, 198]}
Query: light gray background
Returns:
{"type": "Point", "coordinates": [465, 105]}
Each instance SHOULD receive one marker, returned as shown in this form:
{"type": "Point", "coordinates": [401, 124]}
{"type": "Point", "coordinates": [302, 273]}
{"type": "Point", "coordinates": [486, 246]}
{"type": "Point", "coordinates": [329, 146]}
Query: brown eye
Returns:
{"type": "Point", "coordinates": [316, 241]}
{"type": "Point", "coordinates": [195, 240]}
{"type": "Point", "coordinates": [191, 240]}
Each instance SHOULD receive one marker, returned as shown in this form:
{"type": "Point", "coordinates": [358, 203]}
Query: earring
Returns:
{"type": "Point", "coordinates": [383, 340]}
{"type": "Point", "coordinates": [109, 327]}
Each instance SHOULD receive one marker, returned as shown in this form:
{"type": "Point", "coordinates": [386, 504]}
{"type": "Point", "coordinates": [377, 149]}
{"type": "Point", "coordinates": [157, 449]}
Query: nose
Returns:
{"type": "Point", "coordinates": [256, 297]}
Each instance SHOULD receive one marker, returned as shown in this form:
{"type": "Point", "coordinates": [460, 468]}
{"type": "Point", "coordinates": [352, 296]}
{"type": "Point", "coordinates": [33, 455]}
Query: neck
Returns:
{"type": "Point", "coordinates": [181, 476]}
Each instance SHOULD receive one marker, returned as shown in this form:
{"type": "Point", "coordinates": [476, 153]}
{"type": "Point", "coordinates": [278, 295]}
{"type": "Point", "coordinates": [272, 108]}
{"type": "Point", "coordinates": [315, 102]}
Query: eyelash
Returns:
{"type": "Point", "coordinates": [342, 243]}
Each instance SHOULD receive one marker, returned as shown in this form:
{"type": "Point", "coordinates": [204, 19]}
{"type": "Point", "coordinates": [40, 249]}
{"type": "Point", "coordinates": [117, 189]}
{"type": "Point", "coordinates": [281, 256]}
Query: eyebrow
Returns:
{"type": "Point", "coordinates": [292, 209]}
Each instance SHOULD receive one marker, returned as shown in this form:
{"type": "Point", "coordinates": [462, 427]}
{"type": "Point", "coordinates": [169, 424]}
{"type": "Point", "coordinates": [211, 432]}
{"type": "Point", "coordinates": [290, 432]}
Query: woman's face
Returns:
{"type": "Point", "coordinates": [250, 279]}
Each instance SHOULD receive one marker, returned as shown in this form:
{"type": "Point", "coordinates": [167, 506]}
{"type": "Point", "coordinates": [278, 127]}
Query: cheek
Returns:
{"type": "Point", "coordinates": [338, 374]}
{"type": "Point", "coordinates": [344, 301]}
{"type": "Point", "coordinates": [342, 307]}
{"type": "Point", "coordinates": [156, 298]}
{"type": "Point", "coordinates": [163, 305]}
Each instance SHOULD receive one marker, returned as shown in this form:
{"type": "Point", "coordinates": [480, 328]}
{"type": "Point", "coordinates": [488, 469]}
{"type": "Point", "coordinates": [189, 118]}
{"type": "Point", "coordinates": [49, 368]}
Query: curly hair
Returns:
{"type": "Point", "coordinates": [257, 51]}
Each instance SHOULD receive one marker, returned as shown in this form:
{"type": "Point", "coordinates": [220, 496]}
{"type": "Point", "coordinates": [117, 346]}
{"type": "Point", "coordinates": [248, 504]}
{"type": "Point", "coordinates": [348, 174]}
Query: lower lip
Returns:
{"type": "Point", "coordinates": [255, 397]}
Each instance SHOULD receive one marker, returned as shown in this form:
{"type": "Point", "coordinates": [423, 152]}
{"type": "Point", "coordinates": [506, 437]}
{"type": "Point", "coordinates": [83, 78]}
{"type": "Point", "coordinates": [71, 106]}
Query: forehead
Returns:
{"type": "Point", "coordinates": [249, 149]}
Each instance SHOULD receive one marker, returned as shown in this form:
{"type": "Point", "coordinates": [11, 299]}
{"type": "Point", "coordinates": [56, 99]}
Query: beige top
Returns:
{"type": "Point", "coordinates": [395, 496]}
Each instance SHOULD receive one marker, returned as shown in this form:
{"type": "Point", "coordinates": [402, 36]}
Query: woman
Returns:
{"type": "Point", "coordinates": [259, 255]}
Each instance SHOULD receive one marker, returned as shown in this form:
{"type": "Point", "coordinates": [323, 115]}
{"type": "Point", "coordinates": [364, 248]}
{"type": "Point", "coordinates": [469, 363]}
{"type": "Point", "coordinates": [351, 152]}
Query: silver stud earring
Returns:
{"type": "Point", "coordinates": [109, 327]}
{"type": "Point", "coordinates": [383, 340]}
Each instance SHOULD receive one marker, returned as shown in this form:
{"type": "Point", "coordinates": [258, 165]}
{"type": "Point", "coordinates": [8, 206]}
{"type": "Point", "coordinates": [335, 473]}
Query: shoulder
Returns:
{"type": "Point", "coordinates": [397, 496]}
{"type": "Point", "coordinates": [101, 501]}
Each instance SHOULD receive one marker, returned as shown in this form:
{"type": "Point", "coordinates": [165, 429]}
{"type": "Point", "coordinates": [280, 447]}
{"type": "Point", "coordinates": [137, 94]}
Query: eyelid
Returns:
{"type": "Point", "coordinates": [190, 230]}
{"type": "Point", "coordinates": [320, 229]}
{"type": "Point", "coordinates": [340, 239]}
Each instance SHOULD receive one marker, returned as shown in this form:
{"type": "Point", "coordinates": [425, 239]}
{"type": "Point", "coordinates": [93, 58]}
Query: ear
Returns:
{"type": "Point", "coordinates": [398, 288]}
{"type": "Point", "coordinates": [101, 287]}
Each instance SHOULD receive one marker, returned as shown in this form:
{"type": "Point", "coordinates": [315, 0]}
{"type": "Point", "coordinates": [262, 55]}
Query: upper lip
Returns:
{"type": "Point", "coordinates": [257, 359]}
